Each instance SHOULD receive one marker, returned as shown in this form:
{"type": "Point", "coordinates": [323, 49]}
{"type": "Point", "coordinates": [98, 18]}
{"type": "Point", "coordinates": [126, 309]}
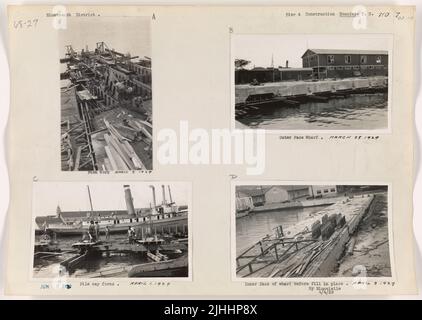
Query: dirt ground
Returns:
{"type": "Point", "coordinates": [371, 249]}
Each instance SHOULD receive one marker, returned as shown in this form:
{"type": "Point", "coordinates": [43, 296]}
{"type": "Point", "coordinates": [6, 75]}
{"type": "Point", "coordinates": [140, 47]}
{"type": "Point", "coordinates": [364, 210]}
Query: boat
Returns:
{"type": "Point", "coordinates": [167, 268]}
{"type": "Point", "coordinates": [244, 206]}
{"type": "Point", "coordinates": [241, 214]}
{"type": "Point", "coordinates": [161, 218]}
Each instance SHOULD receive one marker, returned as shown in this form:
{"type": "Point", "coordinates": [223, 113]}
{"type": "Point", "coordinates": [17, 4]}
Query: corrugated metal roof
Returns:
{"type": "Point", "coordinates": [345, 51]}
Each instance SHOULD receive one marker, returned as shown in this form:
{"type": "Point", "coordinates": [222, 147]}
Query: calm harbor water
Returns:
{"type": "Point", "coordinates": [360, 111]}
{"type": "Point", "coordinates": [252, 228]}
{"type": "Point", "coordinates": [49, 268]}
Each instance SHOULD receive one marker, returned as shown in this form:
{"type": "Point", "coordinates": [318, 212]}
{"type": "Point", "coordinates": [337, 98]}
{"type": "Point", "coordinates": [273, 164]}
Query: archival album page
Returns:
{"type": "Point", "coordinates": [210, 151]}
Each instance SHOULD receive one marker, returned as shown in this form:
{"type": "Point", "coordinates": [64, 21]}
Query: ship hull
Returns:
{"type": "Point", "coordinates": [156, 226]}
{"type": "Point", "coordinates": [170, 268]}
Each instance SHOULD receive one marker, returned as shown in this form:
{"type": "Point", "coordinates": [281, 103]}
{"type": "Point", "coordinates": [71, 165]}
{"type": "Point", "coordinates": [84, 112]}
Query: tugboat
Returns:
{"type": "Point", "coordinates": [158, 219]}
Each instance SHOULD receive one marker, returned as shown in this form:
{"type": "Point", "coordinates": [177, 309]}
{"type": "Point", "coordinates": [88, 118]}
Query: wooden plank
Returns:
{"type": "Point", "coordinates": [107, 165]}
{"type": "Point", "coordinates": [110, 158]}
{"type": "Point", "coordinates": [133, 155]}
{"type": "Point", "coordinates": [117, 146]}
{"type": "Point", "coordinates": [116, 155]}
{"type": "Point", "coordinates": [78, 159]}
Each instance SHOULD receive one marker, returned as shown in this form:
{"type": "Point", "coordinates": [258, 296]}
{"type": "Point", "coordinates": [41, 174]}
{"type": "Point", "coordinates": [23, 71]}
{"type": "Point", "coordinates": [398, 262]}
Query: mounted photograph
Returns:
{"type": "Point", "coordinates": [111, 229]}
{"type": "Point", "coordinates": [106, 94]}
{"type": "Point", "coordinates": [311, 231]}
{"type": "Point", "coordinates": [311, 82]}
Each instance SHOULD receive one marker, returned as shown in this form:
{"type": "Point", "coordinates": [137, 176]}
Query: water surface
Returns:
{"type": "Point", "coordinates": [358, 111]}
{"type": "Point", "coordinates": [252, 228]}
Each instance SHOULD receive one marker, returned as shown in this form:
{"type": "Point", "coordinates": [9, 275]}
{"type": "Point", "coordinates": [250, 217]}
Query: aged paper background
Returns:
{"type": "Point", "coordinates": [191, 71]}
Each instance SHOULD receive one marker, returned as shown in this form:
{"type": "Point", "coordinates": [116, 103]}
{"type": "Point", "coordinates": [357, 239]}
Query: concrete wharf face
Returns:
{"type": "Point", "coordinates": [306, 88]}
{"type": "Point", "coordinates": [297, 254]}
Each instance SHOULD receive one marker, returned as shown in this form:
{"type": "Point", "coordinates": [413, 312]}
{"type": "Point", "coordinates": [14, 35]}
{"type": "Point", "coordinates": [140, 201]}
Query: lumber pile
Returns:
{"type": "Point", "coordinates": [118, 148]}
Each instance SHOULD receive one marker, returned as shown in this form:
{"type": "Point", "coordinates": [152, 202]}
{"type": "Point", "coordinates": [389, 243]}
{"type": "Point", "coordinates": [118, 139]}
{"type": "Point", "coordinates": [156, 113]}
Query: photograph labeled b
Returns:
{"type": "Point", "coordinates": [304, 231]}
{"type": "Point", "coordinates": [311, 82]}
{"type": "Point", "coordinates": [112, 229]}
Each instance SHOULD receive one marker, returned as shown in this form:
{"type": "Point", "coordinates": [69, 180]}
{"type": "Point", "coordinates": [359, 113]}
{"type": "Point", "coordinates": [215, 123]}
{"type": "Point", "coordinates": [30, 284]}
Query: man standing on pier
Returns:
{"type": "Point", "coordinates": [107, 233]}
{"type": "Point", "coordinates": [130, 234]}
{"type": "Point", "coordinates": [91, 231]}
{"type": "Point", "coordinates": [97, 230]}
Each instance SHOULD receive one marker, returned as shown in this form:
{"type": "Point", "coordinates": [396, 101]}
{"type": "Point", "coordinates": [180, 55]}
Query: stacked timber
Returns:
{"type": "Point", "coordinates": [313, 251]}
{"type": "Point", "coordinates": [119, 151]}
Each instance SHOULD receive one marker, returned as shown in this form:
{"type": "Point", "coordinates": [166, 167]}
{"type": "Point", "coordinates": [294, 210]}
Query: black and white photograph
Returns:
{"type": "Point", "coordinates": [106, 94]}
{"type": "Point", "coordinates": [111, 229]}
{"type": "Point", "coordinates": [311, 82]}
{"type": "Point", "coordinates": [312, 231]}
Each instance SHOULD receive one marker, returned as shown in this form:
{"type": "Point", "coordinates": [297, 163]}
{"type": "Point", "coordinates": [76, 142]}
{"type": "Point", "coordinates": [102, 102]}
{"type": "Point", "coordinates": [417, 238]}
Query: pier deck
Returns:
{"type": "Point", "coordinates": [297, 252]}
{"type": "Point", "coordinates": [307, 88]}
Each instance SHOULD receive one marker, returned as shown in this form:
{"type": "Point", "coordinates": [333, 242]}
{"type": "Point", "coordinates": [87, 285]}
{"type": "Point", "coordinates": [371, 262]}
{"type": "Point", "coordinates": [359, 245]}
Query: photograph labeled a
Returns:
{"type": "Point", "coordinates": [106, 95]}
{"type": "Point", "coordinates": [111, 229]}
{"type": "Point", "coordinates": [305, 231]}
{"type": "Point", "coordinates": [311, 82]}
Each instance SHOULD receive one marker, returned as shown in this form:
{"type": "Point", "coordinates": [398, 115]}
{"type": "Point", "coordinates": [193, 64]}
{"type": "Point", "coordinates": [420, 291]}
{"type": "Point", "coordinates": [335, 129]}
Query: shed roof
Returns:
{"type": "Point", "coordinates": [345, 51]}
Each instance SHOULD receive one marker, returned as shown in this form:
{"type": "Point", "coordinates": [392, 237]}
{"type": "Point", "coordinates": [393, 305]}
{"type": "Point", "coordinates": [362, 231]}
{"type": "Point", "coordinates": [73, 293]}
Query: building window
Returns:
{"type": "Point", "coordinates": [325, 190]}
{"type": "Point", "coordinates": [378, 59]}
{"type": "Point", "coordinates": [355, 67]}
{"type": "Point", "coordinates": [348, 59]}
{"type": "Point", "coordinates": [333, 190]}
{"type": "Point", "coordinates": [330, 59]}
{"type": "Point", "coordinates": [363, 59]}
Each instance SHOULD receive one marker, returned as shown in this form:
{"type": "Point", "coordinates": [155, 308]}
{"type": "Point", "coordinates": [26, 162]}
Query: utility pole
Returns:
{"type": "Point", "coordinates": [90, 201]}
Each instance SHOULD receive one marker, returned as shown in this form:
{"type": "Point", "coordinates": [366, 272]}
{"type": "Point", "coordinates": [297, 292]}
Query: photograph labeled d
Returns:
{"type": "Point", "coordinates": [304, 231]}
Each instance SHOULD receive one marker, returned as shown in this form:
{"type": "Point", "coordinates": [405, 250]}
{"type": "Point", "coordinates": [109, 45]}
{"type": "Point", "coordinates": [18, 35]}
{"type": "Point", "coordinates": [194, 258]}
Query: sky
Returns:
{"type": "Point", "coordinates": [260, 48]}
{"type": "Point", "coordinates": [124, 34]}
{"type": "Point", "coordinates": [73, 196]}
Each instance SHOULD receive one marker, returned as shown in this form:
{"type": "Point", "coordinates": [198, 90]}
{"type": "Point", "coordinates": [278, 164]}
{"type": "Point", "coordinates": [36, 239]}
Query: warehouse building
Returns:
{"type": "Point", "coordinates": [334, 63]}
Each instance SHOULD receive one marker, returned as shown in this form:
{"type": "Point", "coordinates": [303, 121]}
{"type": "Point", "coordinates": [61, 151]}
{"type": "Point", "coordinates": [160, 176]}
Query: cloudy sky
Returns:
{"type": "Point", "coordinates": [105, 195]}
{"type": "Point", "coordinates": [260, 48]}
{"type": "Point", "coordinates": [124, 34]}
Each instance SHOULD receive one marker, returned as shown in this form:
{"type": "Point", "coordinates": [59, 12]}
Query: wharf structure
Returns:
{"type": "Point", "coordinates": [325, 74]}
{"type": "Point", "coordinates": [310, 248]}
{"type": "Point", "coordinates": [106, 118]}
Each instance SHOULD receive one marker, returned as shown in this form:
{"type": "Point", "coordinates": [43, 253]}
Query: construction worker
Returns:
{"type": "Point", "coordinates": [107, 233]}
{"type": "Point", "coordinates": [97, 230]}
{"type": "Point", "coordinates": [91, 231]}
{"type": "Point", "coordinates": [130, 235]}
